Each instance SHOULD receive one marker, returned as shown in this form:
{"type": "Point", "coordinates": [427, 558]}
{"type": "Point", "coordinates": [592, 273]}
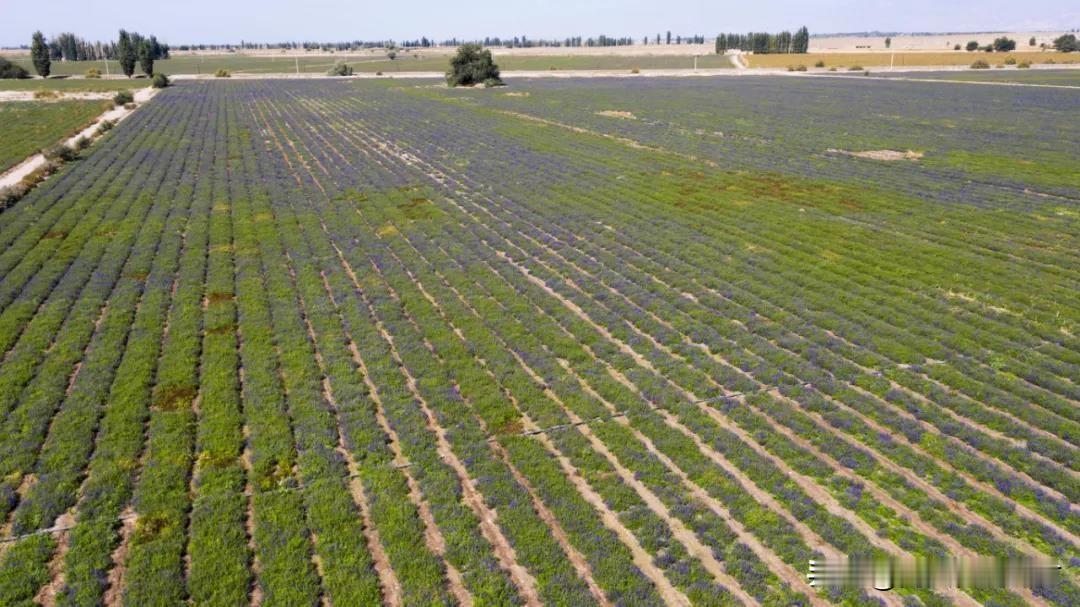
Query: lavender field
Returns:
{"type": "Point", "coordinates": [570, 342]}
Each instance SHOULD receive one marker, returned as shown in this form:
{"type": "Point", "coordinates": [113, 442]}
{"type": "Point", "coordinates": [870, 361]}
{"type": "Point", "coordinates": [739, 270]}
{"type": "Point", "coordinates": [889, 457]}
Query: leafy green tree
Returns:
{"type": "Point", "coordinates": [888, 43]}
{"type": "Point", "coordinates": [972, 46]}
{"type": "Point", "coordinates": [801, 42]}
{"type": "Point", "coordinates": [146, 57]}
{"type": "Point", "coordinates": [340, 69]}
{"type": "Point", "coordinates": [1067, 43]}
{"type": "Point", "coordinates": [472, 65]}
{"type": "Point", "coordinates": [1004, 44]}
{"type": "Point", "coordinates": [1032, 41]}
{"type": "Point", "coordinates": [126, 54]}
{"type": "Point", "coordinates": [39, 52]}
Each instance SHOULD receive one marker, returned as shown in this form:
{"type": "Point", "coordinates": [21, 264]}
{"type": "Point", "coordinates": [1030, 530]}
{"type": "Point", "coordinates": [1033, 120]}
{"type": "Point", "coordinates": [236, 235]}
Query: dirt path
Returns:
{"type": "Point", "coordinates": [61, 96]}
{"type": "Point", "coordinates": [24, 168]}
{"type": "Point", "coordinates": [114, 592]}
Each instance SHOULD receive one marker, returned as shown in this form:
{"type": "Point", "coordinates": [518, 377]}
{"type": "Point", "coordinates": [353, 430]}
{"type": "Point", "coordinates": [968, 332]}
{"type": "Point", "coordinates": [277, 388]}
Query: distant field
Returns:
{"type": "Point", "coordinates": [28, 126]}
{"type": "Point", "coordinates": [69, 86]}
{"type": "Point", "coordinates": [906, 59]}
{"type": "Point", "coordinates": [1059, 77]}
{"type": "Point", "coordinates": [370, 63]}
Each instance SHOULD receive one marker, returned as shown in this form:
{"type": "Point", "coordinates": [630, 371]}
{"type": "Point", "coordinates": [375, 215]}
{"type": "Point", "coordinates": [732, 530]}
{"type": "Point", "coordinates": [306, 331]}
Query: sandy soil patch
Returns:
{"type": "Point", "coordinates": [885, 155]}
{"type": "Point", "coordinates": [617, 114]}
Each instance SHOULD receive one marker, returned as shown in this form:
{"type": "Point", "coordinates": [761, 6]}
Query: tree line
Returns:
{"type": "Point", "coordinates": [425, 42]}
{"type": "Point", "coordinates": [67, 46]}
{"type": "Point", "coordinates": [130, 48]}
{"type": "Point", "coordinates": [764, 42]}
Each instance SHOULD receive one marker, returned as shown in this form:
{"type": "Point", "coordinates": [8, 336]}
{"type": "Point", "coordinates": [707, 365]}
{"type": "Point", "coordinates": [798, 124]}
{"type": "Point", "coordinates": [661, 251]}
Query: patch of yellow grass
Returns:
{"type": "Point", "coordinates": [387, 230]}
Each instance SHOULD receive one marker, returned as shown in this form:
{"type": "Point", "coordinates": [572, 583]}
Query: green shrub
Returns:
{"type": "Point", "coordinates": [820, 63]}
{"type": "Point", "coordinates": [46, 94]}
{"type": "Point", "coordinates": [159, 80]}
{"type": "Point", "coordinates": [972, 46]}
{"type": "Point", "coordinates": [93, 73]}
{"type": "Point", "coordinates": [1023, 65]}
{"type": "Point", "coordinates": [493, 82]}
{"type": "Point", "coordinates": [222, 73]}
{"type": "Point", "coordinates": [10, 70]}
{"type": "Point", "coordinates": [472, 65]}
{"type": "Point", "coordinates": [980, 65]}
{"type": "Point", "coordinates": [59, 152]}
{"type": "Point", "coordinates": [11, 194]}
{"type": "Point", "coordinates": [81, 143]}
{"type": "Point", "coordinates": [635, 71]}
{"type": "Point", "coordinates": [123, 98]}
{"type": "Point", "coordinates": [340, 69]}
{"type": "Point", "coordinates": [1004, 44]}
{"type": "Point", "coordinates": [1067, 43]}
{"type": "Point", "coordinates": [855, 68]}
{"type": "Point", "coordinates": [1010, 61]}
{"type": "Point", "coordinates": [105, 126]}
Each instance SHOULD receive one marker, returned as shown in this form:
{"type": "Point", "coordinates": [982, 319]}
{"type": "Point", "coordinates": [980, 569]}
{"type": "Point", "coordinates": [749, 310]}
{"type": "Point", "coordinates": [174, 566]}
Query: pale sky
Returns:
{"type": "Point", "coordinates": [218, 21]}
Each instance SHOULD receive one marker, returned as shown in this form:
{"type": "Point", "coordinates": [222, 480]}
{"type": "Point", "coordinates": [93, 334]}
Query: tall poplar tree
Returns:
{"type": "Point", "coordinates": [125, 54]}
{"type": "Point", "coordinates": [39, 52]}
{"type": "Point", "coordinates": [146, 57]}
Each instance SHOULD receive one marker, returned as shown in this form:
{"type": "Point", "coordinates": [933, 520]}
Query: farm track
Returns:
{"type": "Point", "coordinates": [425, 347]}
